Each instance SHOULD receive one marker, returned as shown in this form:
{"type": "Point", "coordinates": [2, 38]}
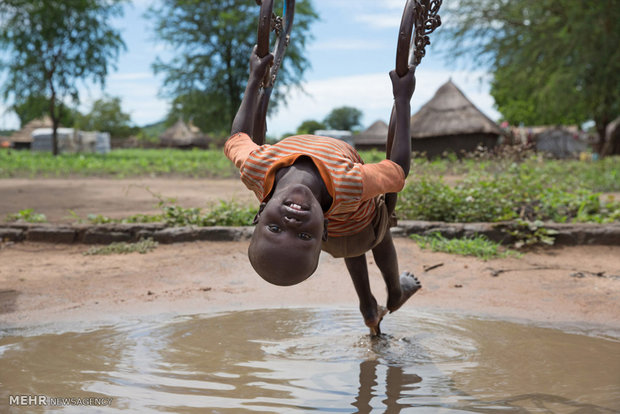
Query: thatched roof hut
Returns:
{"type": "Point", "coordinates": [182, 135]}
{"type": "Point", "coordinates": [23, 137]}
{"type": "Point", "coordinates": [374, 136]}
{"type": "Point", "coordinates": [451, 122]}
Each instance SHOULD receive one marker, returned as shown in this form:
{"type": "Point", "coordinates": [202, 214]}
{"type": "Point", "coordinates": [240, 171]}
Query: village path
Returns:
{"type": "Point", "coordinates": [45, 282]}
{"type": "Point", "coordinates": [114, 198]}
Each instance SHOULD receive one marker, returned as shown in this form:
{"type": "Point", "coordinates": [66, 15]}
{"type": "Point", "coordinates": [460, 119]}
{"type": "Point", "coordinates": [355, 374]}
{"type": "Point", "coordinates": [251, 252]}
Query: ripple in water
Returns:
{"type": "Point", "coordinates": [300, 360]}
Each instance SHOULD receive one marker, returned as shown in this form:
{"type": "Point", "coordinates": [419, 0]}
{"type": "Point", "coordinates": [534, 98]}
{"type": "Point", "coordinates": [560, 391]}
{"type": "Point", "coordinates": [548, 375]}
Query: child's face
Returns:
{"type": "Point", "coordinates": [287, 238]}
{"type": "Point", "coordinates": [292, 218]}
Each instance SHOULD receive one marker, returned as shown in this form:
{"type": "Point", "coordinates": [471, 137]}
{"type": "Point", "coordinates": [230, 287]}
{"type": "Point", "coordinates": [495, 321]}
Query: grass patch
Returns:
{"type": "Point", "coordinates": [27, 215]}
{"type": "Point", "coordinates": [119, 163]}
{"type": "Point", "coordinates": [142, 247]}
{"type": "Point", "coordinates": [478, 246]}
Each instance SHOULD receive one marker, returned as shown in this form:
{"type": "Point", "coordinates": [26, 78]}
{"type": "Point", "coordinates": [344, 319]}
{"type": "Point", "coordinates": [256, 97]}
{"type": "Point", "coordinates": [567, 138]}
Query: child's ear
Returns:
{"type": "Point", "coordinates": [260, 210]}
{"type": "Point", "coordinates": [324, 238]}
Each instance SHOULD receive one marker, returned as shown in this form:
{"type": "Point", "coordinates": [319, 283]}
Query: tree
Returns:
{"type": "Point", "coordinates": [212, 41]}
{"type": "Point", "coordinates": [344, 118]}
{"type": "Point", "coordinates": [50, 45]}
{"type": "Point", "coordinates": [36, 106]}
{"type": "Point", "coordinates": [553, 61]}
{"type": "Point", "coordinates": [107, 115]}
{"type": "Point", "coordinates": [309, 126]}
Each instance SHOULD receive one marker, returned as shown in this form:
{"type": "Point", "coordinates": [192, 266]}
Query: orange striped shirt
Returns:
{"type": "Point", "coordinates": [352, 184]}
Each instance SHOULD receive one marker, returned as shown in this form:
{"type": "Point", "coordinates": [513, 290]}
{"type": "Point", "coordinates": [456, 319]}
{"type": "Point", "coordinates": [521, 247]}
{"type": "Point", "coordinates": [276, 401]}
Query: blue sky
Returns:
{"type": "Point", "coordinates": [353, 50]}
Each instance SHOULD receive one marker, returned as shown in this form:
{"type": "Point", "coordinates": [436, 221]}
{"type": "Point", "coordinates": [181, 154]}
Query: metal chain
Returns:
{"type": "Point", "coordinates": [425, 22]}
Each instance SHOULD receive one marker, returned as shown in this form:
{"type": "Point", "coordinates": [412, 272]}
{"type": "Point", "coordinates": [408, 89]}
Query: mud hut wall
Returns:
{"type": "Point", "coordinates": [436, 146]}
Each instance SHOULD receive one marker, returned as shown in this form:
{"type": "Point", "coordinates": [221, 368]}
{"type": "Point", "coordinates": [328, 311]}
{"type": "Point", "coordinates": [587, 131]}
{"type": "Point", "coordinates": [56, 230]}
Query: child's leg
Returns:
{"type": "Point", "coordinates": [372, 313]}
{"type": "Point", "coordinates": [400, 287]}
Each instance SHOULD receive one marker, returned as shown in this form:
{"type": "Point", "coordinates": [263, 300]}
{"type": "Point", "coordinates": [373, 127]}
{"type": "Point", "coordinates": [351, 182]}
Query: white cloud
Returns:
{"type": "Point", "coordinates": [8, 119]}
{"type": "Point", "coordinates": [380, 20]}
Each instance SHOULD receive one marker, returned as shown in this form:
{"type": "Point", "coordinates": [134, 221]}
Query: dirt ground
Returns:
{"type": "Point", "coordinates": [42, 283]}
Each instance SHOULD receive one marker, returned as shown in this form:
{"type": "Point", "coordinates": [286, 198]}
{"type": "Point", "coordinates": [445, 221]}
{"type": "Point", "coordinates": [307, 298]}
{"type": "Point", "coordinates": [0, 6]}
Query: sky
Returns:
{"type": "Point", "coordinates": [352, 51]}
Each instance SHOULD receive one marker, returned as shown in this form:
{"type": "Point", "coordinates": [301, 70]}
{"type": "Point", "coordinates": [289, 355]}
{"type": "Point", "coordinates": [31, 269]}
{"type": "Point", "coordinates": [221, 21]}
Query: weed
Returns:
{"type": "Point", "coordinates": [143, 246]}
{"type": "Point", "coordinates": [27, 215]}
{"type": "Point", "coordinates": [478, 246]}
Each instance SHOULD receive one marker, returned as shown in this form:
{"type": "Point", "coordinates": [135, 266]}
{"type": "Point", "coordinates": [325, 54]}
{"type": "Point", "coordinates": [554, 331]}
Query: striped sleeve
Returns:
{"type": "Point", "coordinates": [238, 147]}
{"type": "Point", "coordinates": [380, 178]}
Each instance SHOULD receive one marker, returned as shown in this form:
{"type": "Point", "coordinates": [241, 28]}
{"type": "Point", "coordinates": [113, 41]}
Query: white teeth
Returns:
{"type": "Point", "coordinates": [295, 206]}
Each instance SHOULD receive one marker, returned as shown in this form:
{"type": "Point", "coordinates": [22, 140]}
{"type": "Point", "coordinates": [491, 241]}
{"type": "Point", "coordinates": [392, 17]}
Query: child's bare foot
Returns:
{"type": "Point", "coordinates": [409, 285]}
{"type": "Point", "coordinates": [373, 318]}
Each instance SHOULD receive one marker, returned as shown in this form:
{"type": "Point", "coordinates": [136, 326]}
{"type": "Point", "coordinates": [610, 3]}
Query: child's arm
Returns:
{"type": "Point", "coordinates": [244, 120]}
{"type": "Point", "coordinates": [402, 88]}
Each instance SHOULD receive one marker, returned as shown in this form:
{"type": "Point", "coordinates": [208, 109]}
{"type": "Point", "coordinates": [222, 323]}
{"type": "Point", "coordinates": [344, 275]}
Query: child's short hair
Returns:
{"type": "Point", "coordinates": [282, 268]}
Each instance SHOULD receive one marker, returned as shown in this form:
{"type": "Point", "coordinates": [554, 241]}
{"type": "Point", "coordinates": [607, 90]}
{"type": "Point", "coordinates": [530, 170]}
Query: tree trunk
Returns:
{"type": "Point", "coordinates": [55, 122]}
{"type": "Point", "coordinates": [600, 127]}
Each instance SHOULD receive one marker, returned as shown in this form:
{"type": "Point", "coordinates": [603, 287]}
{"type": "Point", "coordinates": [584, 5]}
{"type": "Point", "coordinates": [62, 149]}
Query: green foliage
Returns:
{"type": "Point", "coordinates": [136, 218]}
{"type": "Point", "coordinates": [309, 126]}
{"type": "Point", "coordinates": [345, 118]}
{"type": "Point", "coordinates": [558, 191]}
{"type": "Point", "coordinates": [106, 115]}
{"type": "Point", "coordinates": [118, 163]}
{"type": "Point", "coordinates": [224, 213]}
{"type": "Point", "coordinates": [143, 246]}
{"type": "Point", "coordinates": [478, 246]}
{"type": "Point", "coordinates": [50, 45]}
{"type": "Point", "coordinates": [28, 215]}
{"type": "Point", "coordinates": [152, 132]}
{"type": "Point", "coordinates": [553, 61]}
{"type": "Point", "coordinates": [212, 41]}
{"type": "Point", "coordinates": [32, 107]}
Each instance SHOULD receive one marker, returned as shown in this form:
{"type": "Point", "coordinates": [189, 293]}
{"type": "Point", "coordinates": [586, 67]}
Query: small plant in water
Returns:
{"type": "Point", "coordinates": [28, 215]}
{"type": "Point", "coordinates": [142, 247]}
{"type": "Point", "coordinates": [478, 246]}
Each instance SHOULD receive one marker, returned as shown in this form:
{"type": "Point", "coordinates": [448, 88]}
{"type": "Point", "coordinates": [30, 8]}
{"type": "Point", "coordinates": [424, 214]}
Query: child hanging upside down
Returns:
{"type": "Point", "coordinates": [316, 194]}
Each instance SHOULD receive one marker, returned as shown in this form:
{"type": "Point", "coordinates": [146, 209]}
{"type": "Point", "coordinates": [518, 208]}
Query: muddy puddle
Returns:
{"type": "Point", "coordinates": [308, 360]}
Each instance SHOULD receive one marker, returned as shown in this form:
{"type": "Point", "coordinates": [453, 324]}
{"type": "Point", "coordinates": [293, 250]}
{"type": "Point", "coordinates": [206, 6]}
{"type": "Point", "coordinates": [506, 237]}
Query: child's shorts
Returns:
{"type": "Point", "coordinates": [364, 241]}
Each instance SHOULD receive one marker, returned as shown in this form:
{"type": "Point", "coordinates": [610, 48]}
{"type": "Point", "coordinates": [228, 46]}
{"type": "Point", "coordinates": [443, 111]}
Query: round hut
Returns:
{"type": "Point", "coordinates": [182, 135]}
{"type": "Point", "coordinates": [374, 136]}
{"type": "Point", "coordinates": [450, 122]}
{"type": "Point", "coordinates": [22, 139]}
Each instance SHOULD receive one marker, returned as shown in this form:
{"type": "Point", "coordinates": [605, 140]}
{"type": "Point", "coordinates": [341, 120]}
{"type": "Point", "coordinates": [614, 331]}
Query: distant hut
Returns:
{"type": "Point", "coordinates": [450, 122]}
{"type": "Point", "coordinates": [373, 137]}
{"type": "Point", "coordinates": [22, 139]}
{"type": "Point", "coordinates": [182, 135]}
{"type": "Point", "coordinates": [559, 142]}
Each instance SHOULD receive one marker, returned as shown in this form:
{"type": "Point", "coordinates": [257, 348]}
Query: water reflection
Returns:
{"type": "Point", "coordinates": [396, 381]}
{"type": "Point", "coordinates": [297, 360]}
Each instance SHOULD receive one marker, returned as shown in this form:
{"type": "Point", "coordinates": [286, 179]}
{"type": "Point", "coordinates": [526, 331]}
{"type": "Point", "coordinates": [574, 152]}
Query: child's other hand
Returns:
{"type": "Point", "coordinates": [259, 65]}
{"type": "Point", "coordinates": [403, 86]}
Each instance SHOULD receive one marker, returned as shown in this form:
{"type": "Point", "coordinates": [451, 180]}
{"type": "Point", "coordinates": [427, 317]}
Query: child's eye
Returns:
{"type": "Point", "coordinates": [273, 228]}
{"type": "Point", "coordinates": [304, 236]}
